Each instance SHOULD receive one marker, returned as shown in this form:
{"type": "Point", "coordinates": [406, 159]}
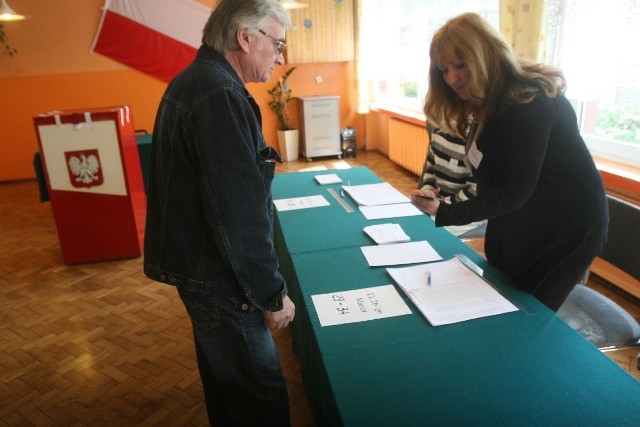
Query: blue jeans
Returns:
{"type": "Point", "coordinates": [238, 361]}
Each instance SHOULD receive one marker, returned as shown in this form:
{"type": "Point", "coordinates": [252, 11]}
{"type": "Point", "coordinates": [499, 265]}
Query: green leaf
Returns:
{"type": "Point", "coordinates": [280, 97]}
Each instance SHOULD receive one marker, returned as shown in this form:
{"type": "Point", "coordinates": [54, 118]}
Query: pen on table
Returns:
{"type": "Point", "coordinates": [348, 185]}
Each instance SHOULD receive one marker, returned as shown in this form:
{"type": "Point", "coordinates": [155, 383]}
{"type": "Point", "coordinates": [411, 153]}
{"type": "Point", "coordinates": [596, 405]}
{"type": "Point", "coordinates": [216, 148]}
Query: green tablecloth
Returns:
{"type": "Point", "coordinates": [521, 368]}
{"type": "Point", "coordinates": [144, 150]}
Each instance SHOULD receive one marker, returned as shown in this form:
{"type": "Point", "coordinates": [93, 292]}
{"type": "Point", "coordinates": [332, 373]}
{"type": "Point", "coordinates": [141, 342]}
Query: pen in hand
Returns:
{"type": "Point", "coordinates": [425, 194]}
{"type": "Point", "coordinates": [442, 199]}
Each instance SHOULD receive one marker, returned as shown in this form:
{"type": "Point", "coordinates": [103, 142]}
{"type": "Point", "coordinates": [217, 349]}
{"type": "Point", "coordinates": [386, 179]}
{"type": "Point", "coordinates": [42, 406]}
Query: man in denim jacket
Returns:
{"type": "Point", "coordinates": [209, 228]}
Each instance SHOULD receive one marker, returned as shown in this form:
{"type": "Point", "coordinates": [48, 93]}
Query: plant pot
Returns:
{"type": "Point", "coordinates": [288, 143]}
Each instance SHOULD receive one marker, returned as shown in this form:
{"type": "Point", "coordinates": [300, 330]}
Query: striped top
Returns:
{"type": "Point", "coordinates": [444, 168]}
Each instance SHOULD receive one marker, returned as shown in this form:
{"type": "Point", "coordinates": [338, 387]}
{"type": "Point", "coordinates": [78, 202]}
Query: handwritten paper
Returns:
{"type": "Point", "coordinates": [330, 178]}
{"type": "Point", "coordinates": [384, 234]}
{"type": "Point", "coordinates": [375, 194]}
{"type": "Point", "coordinates": [400, 253]}
{"type": "Point", "coordinates": [390, 211]}
{"type": "Point", "coordinates": [454, 294]}
{"type": "Point", "coordinates": [359, 305]}
{"type": "Point", "coordinates": [300, 203]}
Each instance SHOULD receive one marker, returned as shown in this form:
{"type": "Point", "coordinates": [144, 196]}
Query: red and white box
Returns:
{"type": "Point", "coordinates": [92, 169]}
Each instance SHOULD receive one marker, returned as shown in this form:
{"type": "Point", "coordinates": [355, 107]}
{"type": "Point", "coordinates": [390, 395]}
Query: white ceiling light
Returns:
{"type": "Point", "coordinates": [293, 4]}
{"type": "Point", "coordinates": [7, 14]}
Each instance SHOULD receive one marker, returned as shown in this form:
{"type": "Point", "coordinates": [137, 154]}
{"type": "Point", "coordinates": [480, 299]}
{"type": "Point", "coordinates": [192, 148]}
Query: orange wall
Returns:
{"type": "Point", "coordinates": [25, 97]}
{"type": "Point", "coordinates": [55, 70]}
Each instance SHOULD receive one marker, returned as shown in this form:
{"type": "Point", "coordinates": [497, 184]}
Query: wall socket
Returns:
{"type": "Point", "coordinates": [319, 79]}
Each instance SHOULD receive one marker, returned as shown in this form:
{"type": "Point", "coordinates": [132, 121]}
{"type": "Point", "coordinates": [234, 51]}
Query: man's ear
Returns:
{"type": "Point", "coordinates": [242, 39]}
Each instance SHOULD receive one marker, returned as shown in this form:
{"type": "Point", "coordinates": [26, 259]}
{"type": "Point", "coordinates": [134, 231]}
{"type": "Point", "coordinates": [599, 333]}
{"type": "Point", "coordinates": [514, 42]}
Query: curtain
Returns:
{"type": "Point", "coordinates": [523, 24]}
{"type": "Point", "coordinates": [362, 94]}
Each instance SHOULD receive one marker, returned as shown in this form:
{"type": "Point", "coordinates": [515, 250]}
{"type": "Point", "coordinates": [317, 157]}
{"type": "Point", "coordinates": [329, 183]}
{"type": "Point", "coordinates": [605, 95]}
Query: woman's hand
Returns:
{"type": "Point", "coordinates": [427, 200]}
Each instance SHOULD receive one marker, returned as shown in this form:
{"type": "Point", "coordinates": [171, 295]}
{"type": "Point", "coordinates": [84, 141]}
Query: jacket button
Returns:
{"type": "Point", "coordinates": [172, 280]}
{"type": "Point", "coordinates": [245, 307]}
{"type": "Point", "coordinates": [163, 277]}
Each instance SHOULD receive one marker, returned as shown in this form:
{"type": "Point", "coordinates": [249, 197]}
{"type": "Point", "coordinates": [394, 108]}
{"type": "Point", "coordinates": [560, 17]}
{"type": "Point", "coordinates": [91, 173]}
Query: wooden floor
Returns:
{"type": "Point", "coordinates": [101, 345]}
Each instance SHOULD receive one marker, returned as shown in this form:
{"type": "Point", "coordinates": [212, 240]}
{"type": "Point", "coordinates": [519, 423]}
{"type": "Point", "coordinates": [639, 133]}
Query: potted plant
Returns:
{"type": "Point", "coordinates": [280, 96]}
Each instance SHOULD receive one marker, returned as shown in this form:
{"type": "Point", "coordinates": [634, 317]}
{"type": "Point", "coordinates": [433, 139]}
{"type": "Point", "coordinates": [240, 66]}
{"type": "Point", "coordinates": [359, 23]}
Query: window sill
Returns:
{"type": "Point", "coordinates": [405, 115]}
{"type": "Point", "coordinates": [621, 179]}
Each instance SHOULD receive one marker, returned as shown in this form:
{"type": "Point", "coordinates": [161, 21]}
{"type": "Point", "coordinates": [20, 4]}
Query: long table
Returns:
{"type": "Point", "coordinates": [522, 368]}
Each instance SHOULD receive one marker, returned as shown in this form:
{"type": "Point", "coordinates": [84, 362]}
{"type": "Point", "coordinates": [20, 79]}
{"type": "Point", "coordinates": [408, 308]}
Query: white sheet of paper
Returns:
{"type": "Point", "coordinates": [375, 194]}
{"type": "Point", "coordinates": [400, 253]}
{"type": "Point", "coordinates": [456, 294]}
{"type": "Point", "coordinates": [330, 178]}
{"type": "Point", "coordinates": [300, 203]}
{"type": "Point", "coordinates": [359, 305]}
{"type": "Point", "coordinates": [384, 234]}
{"type": "Point", "coordinates": [390, 211]}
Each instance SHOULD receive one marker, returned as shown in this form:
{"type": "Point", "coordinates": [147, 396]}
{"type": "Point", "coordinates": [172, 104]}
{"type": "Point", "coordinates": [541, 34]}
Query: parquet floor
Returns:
{"type": "Point", "coordinates": [99, 344]}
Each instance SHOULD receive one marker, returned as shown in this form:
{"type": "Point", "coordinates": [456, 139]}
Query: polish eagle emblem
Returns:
{"type": "Point", "coordinates": [84, 168]}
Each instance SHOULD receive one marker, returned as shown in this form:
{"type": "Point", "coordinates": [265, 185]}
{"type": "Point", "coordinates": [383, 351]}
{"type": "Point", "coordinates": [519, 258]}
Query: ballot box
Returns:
{"type": "Point", "coordinates": [92, 169]}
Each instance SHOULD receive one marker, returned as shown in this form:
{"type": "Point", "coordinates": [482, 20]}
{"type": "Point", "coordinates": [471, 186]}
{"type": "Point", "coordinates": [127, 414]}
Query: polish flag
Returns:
{"type": "Point", "coordinates": [157, 37]}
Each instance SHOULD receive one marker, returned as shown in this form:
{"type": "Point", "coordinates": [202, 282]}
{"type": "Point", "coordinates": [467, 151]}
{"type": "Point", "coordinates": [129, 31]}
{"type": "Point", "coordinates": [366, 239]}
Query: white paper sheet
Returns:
{"type": "Point", "coordinates": [375, 194]}
{"type": "Point", "coordinates": [359, 305]}
{"type": "Point", "coordinates": [390, 211]}
{"type": "Point", "coordinates": [400, 253]}
{"type": "Point", "coordinates": [384, 234]}
{"type": "Point", "coordinates": [300, 203]}
{"type": "Point", "coordinates": [455, 294]}
{"type": "Point", "coordinates": [330, 178]}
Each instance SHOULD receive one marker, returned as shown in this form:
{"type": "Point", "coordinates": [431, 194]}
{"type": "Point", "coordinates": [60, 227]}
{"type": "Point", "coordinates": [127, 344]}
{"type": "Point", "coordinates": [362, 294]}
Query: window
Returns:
{"type": "Point", "coordinates": [395, 38]}
{"type": "Point", "coordinates": [593, 42]}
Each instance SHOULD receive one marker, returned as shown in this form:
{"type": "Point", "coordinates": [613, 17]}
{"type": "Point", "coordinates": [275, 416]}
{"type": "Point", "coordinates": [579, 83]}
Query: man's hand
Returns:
{"type": "Point", "coordinates": [282, 318]}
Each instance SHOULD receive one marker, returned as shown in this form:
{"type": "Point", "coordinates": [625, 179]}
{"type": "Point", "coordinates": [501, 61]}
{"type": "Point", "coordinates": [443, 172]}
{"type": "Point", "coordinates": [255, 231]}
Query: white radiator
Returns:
{"type": "Point", "coordinates": [408, 144]}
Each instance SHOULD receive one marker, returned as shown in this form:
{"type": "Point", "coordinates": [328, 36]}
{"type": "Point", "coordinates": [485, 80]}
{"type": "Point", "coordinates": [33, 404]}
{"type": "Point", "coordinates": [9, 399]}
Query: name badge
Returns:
{"type": "Point", "coordinates": [474, 155]}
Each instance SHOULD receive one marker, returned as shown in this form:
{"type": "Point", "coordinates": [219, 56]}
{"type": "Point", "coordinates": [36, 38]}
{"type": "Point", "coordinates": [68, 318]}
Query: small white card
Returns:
{"type": "Point", "coordinates": [384, 234]}
{"type": "Point", "coordinates": [300, 203]}
{"type": "Point", "coordinates": [330, 178]}
{"type": "Point", "coordinates": [359, 305]}
{"type": "Point", "coordinates": [400, 253]}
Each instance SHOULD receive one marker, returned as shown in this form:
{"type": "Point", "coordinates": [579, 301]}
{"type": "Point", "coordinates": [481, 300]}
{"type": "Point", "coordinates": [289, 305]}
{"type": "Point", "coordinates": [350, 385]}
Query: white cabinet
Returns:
{"type": "Point", "coordinates": [320, 126]}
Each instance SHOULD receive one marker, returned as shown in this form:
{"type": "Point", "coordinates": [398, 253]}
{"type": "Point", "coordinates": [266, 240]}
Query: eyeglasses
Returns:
{"type": "Point", "coordinates": [279, 45]}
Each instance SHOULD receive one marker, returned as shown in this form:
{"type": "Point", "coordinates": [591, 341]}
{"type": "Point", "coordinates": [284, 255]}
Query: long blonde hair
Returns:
{"type": "Point", "coordinates": [496, 75]}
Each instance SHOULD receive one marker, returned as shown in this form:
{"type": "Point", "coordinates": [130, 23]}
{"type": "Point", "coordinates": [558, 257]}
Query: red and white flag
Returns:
{"type": "Point", "coordinates": [157, 37]}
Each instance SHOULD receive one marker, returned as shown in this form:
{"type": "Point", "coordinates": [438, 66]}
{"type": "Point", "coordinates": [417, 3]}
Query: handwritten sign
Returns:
{"type": "Point", "coordinates": [359, 305]}
{"type": "Point", "coordinates": [300, 203]}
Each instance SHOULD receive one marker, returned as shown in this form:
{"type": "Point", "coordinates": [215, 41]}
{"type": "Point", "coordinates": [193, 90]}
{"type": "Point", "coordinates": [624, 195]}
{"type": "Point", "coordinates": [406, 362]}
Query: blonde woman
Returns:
{"type": "Point", "coordinates": [536, 182]}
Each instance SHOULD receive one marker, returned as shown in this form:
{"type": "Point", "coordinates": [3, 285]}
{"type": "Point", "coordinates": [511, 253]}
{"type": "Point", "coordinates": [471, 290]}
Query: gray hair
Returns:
{"type": "Point", "coordinates": [219, 33]}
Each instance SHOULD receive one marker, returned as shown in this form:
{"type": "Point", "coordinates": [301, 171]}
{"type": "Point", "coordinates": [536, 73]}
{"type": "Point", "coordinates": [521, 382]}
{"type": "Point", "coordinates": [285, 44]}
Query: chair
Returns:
{"type": "Point", "coordinates": [599, 319]}
{"type": "Point", "coordinates": [596, 317]}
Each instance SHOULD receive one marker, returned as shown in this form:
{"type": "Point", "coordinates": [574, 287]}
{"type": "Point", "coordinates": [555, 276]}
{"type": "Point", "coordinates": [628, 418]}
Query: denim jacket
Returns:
{"type": "Point", "coordinates": [209, 225]}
